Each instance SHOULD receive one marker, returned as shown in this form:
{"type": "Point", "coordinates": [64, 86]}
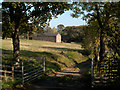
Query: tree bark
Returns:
{"type": "Point", "coordinates": [16, 46]}
{"type": "Point", "coordinates": [102, 46]}
{"type": "Point", "coordinates": [27, 35]}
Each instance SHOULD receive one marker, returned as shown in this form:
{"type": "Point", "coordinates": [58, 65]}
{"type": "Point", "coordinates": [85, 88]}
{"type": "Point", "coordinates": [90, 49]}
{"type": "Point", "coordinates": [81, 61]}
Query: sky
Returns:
{"type": "Point", "coordinates": [1, 1]}
{"type": "Point", "coordinates": [67, 20]}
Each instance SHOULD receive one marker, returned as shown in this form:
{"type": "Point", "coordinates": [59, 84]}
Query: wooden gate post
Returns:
{"type": "Point", "coordinates": [12, 73]}
{"type": "Point", "coordinates": [22, 72]}
{"type": "Point", "coordinates": [92, 72]}
{"type": "Point", "coordinates": [5, 76]}
{"type": "Point", "coordinates": [44, 64]}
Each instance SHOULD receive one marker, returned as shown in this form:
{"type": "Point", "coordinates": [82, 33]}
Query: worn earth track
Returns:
{"type": "Point", "coordinates": [71, 78]}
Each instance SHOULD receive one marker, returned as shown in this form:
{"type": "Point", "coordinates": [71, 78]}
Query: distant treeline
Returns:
{"type": "Point", "coordinates": [73, 33]}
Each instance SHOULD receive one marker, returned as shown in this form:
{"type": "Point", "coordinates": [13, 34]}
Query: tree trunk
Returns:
{"type": "Point", "coordinates": [16, 46]}
{"type": "Point", "coordinates": [27, 35]}
{"type": "Point", "coordinates": [102, 46]}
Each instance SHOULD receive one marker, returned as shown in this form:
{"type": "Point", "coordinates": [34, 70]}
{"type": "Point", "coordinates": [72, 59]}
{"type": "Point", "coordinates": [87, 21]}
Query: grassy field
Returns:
{"type": "Point", "coordinates": [58, 55]}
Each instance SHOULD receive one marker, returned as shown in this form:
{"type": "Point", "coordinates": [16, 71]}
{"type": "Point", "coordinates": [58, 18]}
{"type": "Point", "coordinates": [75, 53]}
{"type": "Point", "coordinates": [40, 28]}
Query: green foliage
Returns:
{"type": "Point", "coordinates": [103, 22]}
{"type": "Point", "coordinates": [19, 14]}
{"type": "Point", "coordinates": [49, 29]}
{"type": "Point", "coordinates": [91, 56]}
{"type": "Point", "coordinates": [102, 37]}
{"type": "Point", "coordinates": [7, 60]}
{"type": "Point", "coordinates": [60, 28]}
{"type": "Point", "coordinates": [10, 84]}
{"type": "Point", "coordinates": [25, 17]}
{"type": "Point", "coordinates": [74, 33]}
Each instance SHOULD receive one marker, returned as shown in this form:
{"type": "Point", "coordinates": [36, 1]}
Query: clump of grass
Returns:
{"type": "Point", "coordinates": [52, 67]}
{"type": "Point", "coordinates": [7, 60]}
{"type": "Point", "coordinates": [9, 83]}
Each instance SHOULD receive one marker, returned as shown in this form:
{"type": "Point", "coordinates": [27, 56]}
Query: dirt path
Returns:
{"type": "Point", "coordinates": [76, 71]}
{"type": "Point", "coordinates": [73, 71]}
{"type": "Point", "coordinates": [71, 78]}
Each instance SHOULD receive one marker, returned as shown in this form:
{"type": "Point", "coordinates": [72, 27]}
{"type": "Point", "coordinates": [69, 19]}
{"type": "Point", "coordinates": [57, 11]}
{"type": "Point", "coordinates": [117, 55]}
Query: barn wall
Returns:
{"type": "Point", "coordinates": [58, 38]}
{"type": "Point", "coordinates": [46, 38]}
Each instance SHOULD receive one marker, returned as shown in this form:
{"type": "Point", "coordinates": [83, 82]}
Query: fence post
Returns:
{"type": "Point", "coordinates": [92, 71]}
{"type": "Point", "coordinates": [22, 72]}
{"type": "Point", "coordinates": [5, 76]}
{"type": "Point", "coordinates": [13, 73]}
{"type": "Point", "coordinates": [44, 64]}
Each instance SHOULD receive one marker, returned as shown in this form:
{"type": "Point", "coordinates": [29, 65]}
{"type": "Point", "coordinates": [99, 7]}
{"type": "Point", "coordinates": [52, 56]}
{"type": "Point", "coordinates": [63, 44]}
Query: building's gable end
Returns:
{"type": "Point", "coordinates": [58, 38]}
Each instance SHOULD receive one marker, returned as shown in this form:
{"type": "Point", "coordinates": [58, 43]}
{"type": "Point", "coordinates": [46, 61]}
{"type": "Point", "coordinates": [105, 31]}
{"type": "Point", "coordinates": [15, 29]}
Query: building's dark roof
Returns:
{"type": "Point", "coordinates": [64, 35]}
{"type": "Point", "coordinates": [49, 34]}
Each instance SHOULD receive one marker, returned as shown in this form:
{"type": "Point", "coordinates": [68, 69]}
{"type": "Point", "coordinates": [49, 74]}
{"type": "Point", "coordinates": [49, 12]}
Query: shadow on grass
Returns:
{"type": "Point", "coordinates": [86, 64]}
{"type": "Point", "coordinates": [50, 66]}
{"type": "Point", "coordinates": [31, 54]}
{"type": "Point", "coordinates": [51, 56]}
{"type": "Point", "coordinates": [67, 81]}
{"type": "Point", "coordinates": [84, 52]}
{"type": "Point", "coordinates": [27, 53]}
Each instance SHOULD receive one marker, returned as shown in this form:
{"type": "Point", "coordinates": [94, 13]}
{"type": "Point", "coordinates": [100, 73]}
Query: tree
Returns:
{"type": "Point", "coordinates": [103, 36]}
{"type": "Point", "coordinates": [54, 30]}
{"type": "Point", "coordinates": [91, 38]}
{"type": "Point", "coordinates": [17, 15]}
{"type": "Point", "coordinates": [74, 33]}
{"type": "Point", "coordinates": [101, 13]}
{"type": "Point", "coordinates": [49, 29]}
{"type": "Point", "coordinates": [60, 27]}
